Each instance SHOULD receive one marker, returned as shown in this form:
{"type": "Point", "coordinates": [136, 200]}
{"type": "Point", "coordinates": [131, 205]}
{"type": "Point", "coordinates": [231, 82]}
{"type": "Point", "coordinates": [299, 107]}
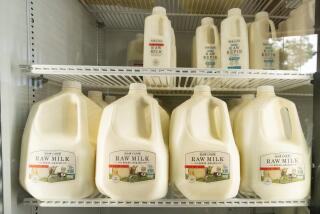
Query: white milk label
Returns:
{"type": "Point", "coordinates": [210, 56]}
{"type": "Point", "coordinates": [281, 168]}
{"type": "Point", "coordinates": [268, 56]}
{"type": "Point", "coordinates": [207, 166]}
{"type": "Point", "coordinates": [52, 166]}
{"type": "Point", "coordinates": [234, 53]}
{"type": "Point", "coordinates": [132, 166]}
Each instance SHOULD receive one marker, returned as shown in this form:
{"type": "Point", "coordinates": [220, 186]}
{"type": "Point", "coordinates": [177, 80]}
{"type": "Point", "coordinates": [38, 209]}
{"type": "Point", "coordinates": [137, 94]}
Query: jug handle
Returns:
{"type": "Point", "coordinates": [226, 132]}
{"type": "Point", "coordinates": [216, 35]}
{"type": "Point", "coordinates": [161, 26]}
{"type": "Point", "coordinates": [81, 121]}
{"type": "Point", "coordinates": [296, 131]}
{"type": "Point", "coordinates": [273, 29]}
{"type": "Point", "coordinates": [156, 131]}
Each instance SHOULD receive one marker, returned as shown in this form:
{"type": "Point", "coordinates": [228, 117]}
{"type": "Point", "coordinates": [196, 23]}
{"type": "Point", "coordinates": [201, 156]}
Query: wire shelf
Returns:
{"type": "Point", "coordinates": [107, 202]}
{"type": "Point", "coordinates": [185, 15]}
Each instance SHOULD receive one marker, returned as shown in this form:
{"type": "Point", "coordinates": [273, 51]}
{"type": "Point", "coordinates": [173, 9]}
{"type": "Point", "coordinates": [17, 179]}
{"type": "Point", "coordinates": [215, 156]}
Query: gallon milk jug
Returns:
{"type": "Point", "coordinates": [245, 99]}
{"type": "Point", "coordinates": [132, 158]}
{"type": "Point", "coordinates": [135, 51]}
{"type": "Point", "coordinates": [261, 41]}
{"type": "Point", "coordinates": [275, 162]}
{"type": "Point", "coordinates": [207, 44]}
{"type": "Point", "coordinates": [157, 39]}
{"type": "Point", "coordinates": [109, 99]}
{"type": "Point", "coordinates": [205, 159]}
{"type": "Point", "coordinates": [59, 144]}
{"type": "Point", "coordinates": [96, 96]}
{"type": "Point", "coordinates": [234, 41]}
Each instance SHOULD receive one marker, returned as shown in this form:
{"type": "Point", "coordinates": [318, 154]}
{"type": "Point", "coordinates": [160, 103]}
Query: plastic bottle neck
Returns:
{"type": "Point", "coordinates": [71, 86]}
{"type": "Point", "coordinates": [265, 91]}
{"type": "Point", "coordinates": [138, 89]}
{"type": "Point", "coordinates": [261, 16]}
{"type": "Point", "coordinates": [202, 90]}
{"type": "Point", "coordinates": [234, 12]}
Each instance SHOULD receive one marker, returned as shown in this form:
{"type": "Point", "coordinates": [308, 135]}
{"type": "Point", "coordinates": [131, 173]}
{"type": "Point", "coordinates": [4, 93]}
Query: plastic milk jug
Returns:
{"type": "Point", "coordinates": [135, 51]}
{"type": "Point", "coordinates": [261, 42]}
{"type": "Point", "coordinates": [109, 99]}
{"type": "Point", "coordinates": [157, 39]}
{"type": "Point", "coordinates": [96, 96]}
{"type": "Point", "coordinates": [275, 161]}
{"type": "Point", "coordinates": [59, 145]}
{"type": "Point", "coordinates": [132, 157]}
{"type": "Point", "coordinates": [207, 44]}
{"type": "Point", "coordinates": [205, 160]}
{"type": "Point", "coordinates": [245, 99]}
{"type": "Point", "coordinates": [234, 41]}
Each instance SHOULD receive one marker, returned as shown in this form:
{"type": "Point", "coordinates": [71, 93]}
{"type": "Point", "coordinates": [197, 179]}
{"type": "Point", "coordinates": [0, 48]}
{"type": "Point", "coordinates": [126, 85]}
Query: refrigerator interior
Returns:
{"type": "Point", "coordinates": [46, 42]}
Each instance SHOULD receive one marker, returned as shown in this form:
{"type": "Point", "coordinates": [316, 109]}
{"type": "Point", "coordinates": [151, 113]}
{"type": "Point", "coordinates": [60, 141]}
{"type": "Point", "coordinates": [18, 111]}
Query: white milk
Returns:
{"type": "Point", "coordinates": [157, 39]}
{"type": "Point", "coordinates": [109, 99]}
{"type": "Point", "coordinates": [207, 44]}
{"type": "Point", "coordinates": [234, 41]}
{"type": "Point", "coordinates": [275, 162]}
{"type": "Point", "coordinates": [58, 146]}
{"type": "Point", "coordinates": [193, 54]}
{"type": "Point", "coordinates": [135, 51]}
{"type": "Point", "coordinates": [245, 99]}
{"type": "Point", "coordinates": [205, 159]}
{"type": "Point", "coordinates": [132, 158]}
{"type": "Point", "coordinates": [262, 43]}
{"type": "Point", "coordinates": [96, 96]}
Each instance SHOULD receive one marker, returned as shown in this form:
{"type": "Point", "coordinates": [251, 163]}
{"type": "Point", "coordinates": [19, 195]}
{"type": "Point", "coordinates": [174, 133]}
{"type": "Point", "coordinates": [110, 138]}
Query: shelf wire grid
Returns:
{"type": "Point", "coordinates": [177, 81]}
{"type": "Point", "coordinates": [185, 15]}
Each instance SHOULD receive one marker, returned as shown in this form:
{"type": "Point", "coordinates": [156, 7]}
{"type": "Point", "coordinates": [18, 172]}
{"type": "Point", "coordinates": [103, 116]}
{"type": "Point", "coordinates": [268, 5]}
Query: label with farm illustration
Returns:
{"type": "Point", "coordinates": [209, 56]}
{"type": "Point", "coordinates": [157, 48]}
{"type": "Point", "coordinates": [207, 166]}
{"type": "Point", "coordinates": [282, 168]}
{"type": "Point", "coordinates": [268, 56]}
{"type": "Point", "coordinates": [234, 53]}
{"type": "Point", "coordinates": [132, 166]}
{"type": "Point", "coordinates": [52, 166]}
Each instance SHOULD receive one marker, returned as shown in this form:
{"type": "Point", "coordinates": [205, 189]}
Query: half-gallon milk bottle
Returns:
{"type": "Point", "coordinates": [135, 51]}
{"type": "Point", "coordinates": [261, 42]}
{"type": "Point", "coordinates": [205, 159]}
{"type": "Point", "coordinates": [157, 39]}
{"type": "Point", "coordinates": [96, 96]}
{"type": "Point", "coordinates": [207, 44]}
{"type": "Point", "coordinates": [132, 158]}
{"type": "Point", "coordinates": [245, 99]}
{"type": "Point", "coordinates": [275, 162]}
{"type": "Point", "coordinates": [59, 144]}
{"type": "Point", "coordinates": [234, 41]}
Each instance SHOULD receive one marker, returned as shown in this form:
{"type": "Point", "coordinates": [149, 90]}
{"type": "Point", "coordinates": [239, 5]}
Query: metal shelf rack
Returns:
{"type": "Point", "coordinates": [173, 81]}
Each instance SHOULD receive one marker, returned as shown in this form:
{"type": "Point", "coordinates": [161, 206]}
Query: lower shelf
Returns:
{"type": "Point", "coordinates": [107, 202]}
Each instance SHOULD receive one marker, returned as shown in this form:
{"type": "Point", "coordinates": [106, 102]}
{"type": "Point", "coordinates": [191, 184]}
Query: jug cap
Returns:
{"type": "Point", "coordinates": [207, 21]}
{"type": "Point", "coordinates": [95, 94]}
{"type": "Point", "coordinates": [247, 97]}
{"type": "Point", "coordinates": [137, 88]}
{"type": "Point", "coordinates": [139, 35]}
{"type": "Point", "coordinates": [234, 11]}
{"type": "Point", "coordinates": [159, 11]}
{"type": "Point", "coordinates": [265, 90]}
{"type": "Point", "coordinates": [262, 15]}
{"type": "Point", "coordinates": [71, 84]}
{"type": "Point", "coordinates": [202, 89]}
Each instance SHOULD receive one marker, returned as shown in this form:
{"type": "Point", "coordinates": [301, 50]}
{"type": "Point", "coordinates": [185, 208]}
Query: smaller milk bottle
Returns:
{"type": "Point", "coordinates": [261, 41]}
{"type": "Point", "coordinates": [245, 99]}
{"type": "Point", "coordinates": [205, 160]}
{"type": "Point", "coordinates": [207, 44]}
{"type": "Point", "coordinates": [59, 145]}
{"type": "Point", "coordinates": [96, 96]}
{"type": "Point", "coordinates": [135, 51]}
{"type": "Point", "coordinates": [132, 158]}
{"type": "Point", "coordinates": [234, 41]}
{"type": "Point", "coordinates": [157, 40]}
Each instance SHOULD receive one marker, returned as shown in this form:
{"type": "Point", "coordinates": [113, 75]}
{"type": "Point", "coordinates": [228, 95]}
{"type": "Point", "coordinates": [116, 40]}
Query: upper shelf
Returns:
{"type": "Point", "coordinates": [184, 14]}
{"type": "Point", "coordinates": [171, 80]}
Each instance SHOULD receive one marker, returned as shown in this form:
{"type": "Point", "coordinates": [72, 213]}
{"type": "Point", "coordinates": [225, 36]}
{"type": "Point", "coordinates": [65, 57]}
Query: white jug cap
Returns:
{"type": "Point", "coordinates": [139, 35]}
{"type": "Point", "coordinates": [265, 90]}
{"type": "Point", "coordinates": [202, 89]}
{"type": "Point", "coordinates": [247, 97]}
{"type": "Point", "coordinates": [207, 21]}
{"type": "Point", "coordinates": [159, 10]}
{"type": "Point", "coordinates": [94, 94]}
{"type": "Point", "coordinates": [234, 11]}
{"type": "Point", "coordinates": [137, 87]}
{"type": "Point", "coordinates": [71, 84]}
{"type": "Point", "coordinates": [261, 15]}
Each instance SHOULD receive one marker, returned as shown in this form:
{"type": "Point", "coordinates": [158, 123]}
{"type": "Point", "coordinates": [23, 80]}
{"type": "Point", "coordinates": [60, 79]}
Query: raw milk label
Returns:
{"type": "Point", "coordinates": [210, 56]}
{"type": "Point", "coordinates": [156, 47]}
{"type": "Point", "coordinates": [234, 53]}
{"type": "Point", "coordinates": [52, 166]}
{"type": "Point", "coordinates": [268, 55]}
{"type": "Point", "coordinates": [207, 166]}
{"type": "Point", "coordinates": [132, 166]}
{"type": "Point", "coordinates": [282, 168]}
